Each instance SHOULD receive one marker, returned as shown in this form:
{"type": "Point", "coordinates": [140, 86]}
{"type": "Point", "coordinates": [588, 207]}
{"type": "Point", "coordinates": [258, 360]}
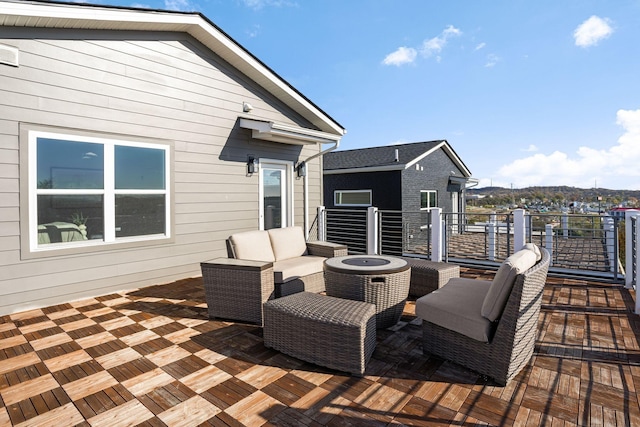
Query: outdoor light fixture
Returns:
{"type": "Point", "coordinates": [246, 107]}
{"type": "Point", "coordinates": [302, 169]}
{"type": "Point", "coordinates": [251, 165]}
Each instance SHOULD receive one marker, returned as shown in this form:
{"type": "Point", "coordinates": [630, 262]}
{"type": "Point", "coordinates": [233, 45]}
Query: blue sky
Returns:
{"type": "Point", "coordinates": [527, 92]}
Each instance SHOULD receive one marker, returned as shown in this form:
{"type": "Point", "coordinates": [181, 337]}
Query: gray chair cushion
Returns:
{"type": "Point", "coordinates": [500, 288]}
{"type": "Point", "coordinates": [456, 306]}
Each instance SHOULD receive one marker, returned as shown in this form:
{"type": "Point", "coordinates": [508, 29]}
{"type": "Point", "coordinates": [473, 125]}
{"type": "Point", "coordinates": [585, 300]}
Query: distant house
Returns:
{"type": "Point", "coordinates": [412, 178]}
{"type": "Point", "coordinates": [407, 177]}
{"type": "Point", "coordinates": [133, 142]}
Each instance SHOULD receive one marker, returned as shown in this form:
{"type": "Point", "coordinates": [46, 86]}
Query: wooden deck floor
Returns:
{"type": "Point", "coordinates": [152, 357]}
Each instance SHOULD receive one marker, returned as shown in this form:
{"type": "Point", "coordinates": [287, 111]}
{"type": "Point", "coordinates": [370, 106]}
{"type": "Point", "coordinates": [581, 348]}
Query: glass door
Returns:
{"type": "Point", "coordinates": [275, 195]}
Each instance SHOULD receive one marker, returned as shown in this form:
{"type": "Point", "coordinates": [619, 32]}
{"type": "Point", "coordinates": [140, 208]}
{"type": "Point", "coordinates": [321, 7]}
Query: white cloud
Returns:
{"type": "Point", "coordinates": [436, 44]}
{"type": "Point", "coordinates": [403, 55]}
{"type": "Point", "coordinates": [406, 55]}
{"type": "Point", "coordinates": [591, 31]}
{"type": "Point", "coordinates": [481, 46]}
{"type": "Point", "coordinates": [259, 4]}
{"type": "Point", "coordinates": [181, 5]}
{"type": "Point", "coordinates": [531, 148]}
{"type": "Point", "coordinates": [254, 31]}
{"type": "Point", "coordinates": [613, 167]}
{"type": "Point", "coordinates": [492, 60]}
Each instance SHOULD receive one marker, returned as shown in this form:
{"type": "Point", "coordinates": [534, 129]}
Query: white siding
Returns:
{"type": "Point", "coordinates": [137, 85]}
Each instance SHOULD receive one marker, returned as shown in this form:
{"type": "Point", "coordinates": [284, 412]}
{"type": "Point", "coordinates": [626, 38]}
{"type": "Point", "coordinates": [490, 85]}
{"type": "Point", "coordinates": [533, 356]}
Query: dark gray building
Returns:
{"type": "Point", "coordinates": [407, 177]}
{"type": "Point", "coordinates": [412, 178]}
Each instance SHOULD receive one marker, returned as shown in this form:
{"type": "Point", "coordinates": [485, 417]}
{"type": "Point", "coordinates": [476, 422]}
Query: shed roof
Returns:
{"type": "Point", "coordinates": [384, 158]}
{"type": "Point", "coordinates": [48, 14]}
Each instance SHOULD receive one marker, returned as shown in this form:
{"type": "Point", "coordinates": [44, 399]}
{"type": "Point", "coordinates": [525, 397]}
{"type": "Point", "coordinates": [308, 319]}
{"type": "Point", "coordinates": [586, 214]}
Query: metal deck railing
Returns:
{"type": "Point", "coordinates": [579, 244]}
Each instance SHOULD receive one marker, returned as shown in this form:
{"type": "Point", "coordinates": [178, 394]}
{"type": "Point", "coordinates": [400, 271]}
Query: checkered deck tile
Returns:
{"type": "Point", "coordinates": [151, 357]}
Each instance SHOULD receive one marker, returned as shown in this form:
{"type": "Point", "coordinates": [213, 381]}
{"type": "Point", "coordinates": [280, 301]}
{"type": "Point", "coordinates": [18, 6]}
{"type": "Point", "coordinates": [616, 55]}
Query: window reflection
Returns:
{"type": "Point", "coordinates": [139, 168]}
{"type": "Point", "coordinates": [70, 164]}
{"type": "Point", "coordinates": [139, 215]}
{"type": "Point", "coordinates": [66, 218]}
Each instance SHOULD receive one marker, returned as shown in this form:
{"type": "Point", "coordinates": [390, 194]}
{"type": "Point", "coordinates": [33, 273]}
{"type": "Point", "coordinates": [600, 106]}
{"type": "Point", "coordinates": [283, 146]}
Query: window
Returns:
{"type": "Point", "coordinates": [87, 191]}
{"type": "Point", "coordinates": [352, 198]}
{"type": "Point", "coordinates": [428, 199]}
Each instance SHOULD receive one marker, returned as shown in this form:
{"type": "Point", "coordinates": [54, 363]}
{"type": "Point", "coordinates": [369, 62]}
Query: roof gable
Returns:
{"type": "Point", "coordinates": [384, 158]}
{"type": "Point", "coordinates": [46, 14]}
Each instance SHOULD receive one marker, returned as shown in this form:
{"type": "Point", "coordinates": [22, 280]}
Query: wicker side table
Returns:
{"type": "Point", "coordinates": [376, 279]}
{"type": "Point", "coordinates": [427, 276]}
{"type": "Point", "coordinates": [237, 289]}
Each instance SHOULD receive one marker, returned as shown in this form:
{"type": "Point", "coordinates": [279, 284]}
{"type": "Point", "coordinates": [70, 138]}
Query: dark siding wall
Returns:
{"type": "Point", "coordinates": [385, 186]}
{"type": "Point", "coordinates": [434, 173]}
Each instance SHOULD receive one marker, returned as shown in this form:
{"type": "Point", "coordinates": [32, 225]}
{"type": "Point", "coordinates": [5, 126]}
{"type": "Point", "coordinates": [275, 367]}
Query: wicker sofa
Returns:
{"type": "Point", "coordinates": [488, 326]}
{"type": "Point", "coordinates": [297, 264]}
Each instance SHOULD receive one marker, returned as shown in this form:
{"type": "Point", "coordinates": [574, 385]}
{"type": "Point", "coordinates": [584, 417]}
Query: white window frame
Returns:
{"type": "Point", "coordinates": [428, 198]}
{"type": "Point", "coordinates": [336, 193]}
{"type": "Point", "coordinates": [109, 192]}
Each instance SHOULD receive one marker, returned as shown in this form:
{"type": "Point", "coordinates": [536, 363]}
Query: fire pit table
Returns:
{"type": "Point", "coordinates": [376, 279]}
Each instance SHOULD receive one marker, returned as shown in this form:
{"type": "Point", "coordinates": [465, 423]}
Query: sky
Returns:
{"type": "Point", "coordinates": [528, 93]}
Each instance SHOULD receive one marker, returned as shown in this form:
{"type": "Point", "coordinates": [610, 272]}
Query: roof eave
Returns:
{"type": "Point", "coordinates": [82, 16]}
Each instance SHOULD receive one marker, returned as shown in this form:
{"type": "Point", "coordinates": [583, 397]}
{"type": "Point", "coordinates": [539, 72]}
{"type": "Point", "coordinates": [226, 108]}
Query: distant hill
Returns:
{"type": "Point", "coordinates": [560, 194]}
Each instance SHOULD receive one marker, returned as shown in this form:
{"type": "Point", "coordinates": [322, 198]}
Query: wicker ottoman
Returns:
{"type": "Point", "coordinates": [427, 276]}
{"type": "Point", "coordinates": [333, 332]}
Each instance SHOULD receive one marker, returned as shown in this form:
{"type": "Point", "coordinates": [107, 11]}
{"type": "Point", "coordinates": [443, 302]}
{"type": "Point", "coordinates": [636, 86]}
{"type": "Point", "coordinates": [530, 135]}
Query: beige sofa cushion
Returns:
{"type": "Point", "coordinates": [503, 281]}
{"type": "Point", "coordinates": [287, 242]}
{"type": "Point", "coordinates": [252, 245]}
{"type": "Point", "coordinates": [293, 268]}
{"type": "Point", "coordinates": [456, 306]}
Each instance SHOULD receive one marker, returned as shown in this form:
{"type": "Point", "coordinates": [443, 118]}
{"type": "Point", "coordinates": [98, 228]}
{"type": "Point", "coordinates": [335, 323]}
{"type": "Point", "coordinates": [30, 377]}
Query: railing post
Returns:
{"type": "Point", "coordinates": [436, 234]}
{"type": "Point", "coordinates": [564, 223]}
{"type": "Point", "coordinates": [322, 223]}
{"type": "Point", "coordinates": [630, 234]}
{"type": "Point", "coordinates": [635, 265]}
{"type": "Point", "coordinates": [491, 234]}
{"type": "Point", "coordinates": [631, 251]}
{"type": "Point", "coordinates": [548, 243]}
{"type": "Point", "coordinates": [519, 230]}
{"type": "Point", "coordinates": [372, 230]}
{"type": "Point", "coordinates": [610, 242]}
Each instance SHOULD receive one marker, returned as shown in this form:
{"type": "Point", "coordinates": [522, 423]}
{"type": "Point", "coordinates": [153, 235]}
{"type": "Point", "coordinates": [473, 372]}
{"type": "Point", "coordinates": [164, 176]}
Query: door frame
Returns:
{"type": "Point", "coordinates": [287, 199]}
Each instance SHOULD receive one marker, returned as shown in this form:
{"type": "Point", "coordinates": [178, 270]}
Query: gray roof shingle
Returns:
{"type": "Point", "coordinates": [377, 156]}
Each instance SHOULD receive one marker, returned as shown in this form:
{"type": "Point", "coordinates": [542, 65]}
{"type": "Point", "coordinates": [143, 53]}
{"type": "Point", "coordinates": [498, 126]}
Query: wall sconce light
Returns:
{"type": "Point", "coordinates": [251, 165]}
{"type": "Point", "coordinates": [301, 169]}
{"type": "Point", "coordinates": [246, 107]}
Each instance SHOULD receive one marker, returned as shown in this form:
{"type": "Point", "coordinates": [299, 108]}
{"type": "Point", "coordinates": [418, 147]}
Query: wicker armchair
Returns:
{"type": "Point", "coordinates": [511, 337]}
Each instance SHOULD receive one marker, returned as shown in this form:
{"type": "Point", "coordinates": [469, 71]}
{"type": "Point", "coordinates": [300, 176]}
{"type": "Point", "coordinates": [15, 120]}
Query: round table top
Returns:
{"type": "Point", "coordinates": [366, 264]}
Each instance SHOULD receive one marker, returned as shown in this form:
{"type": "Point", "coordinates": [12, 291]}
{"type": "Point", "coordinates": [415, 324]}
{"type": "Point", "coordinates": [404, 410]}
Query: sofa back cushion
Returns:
{"type": "Point", "coordinates": [252, 245]}
{"type": "Point", "coordinates": [500, 288]}
{"type": "Point", "coordinates": [287, 242]}
{"type": "Point", "coordinates": [535, 249]}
